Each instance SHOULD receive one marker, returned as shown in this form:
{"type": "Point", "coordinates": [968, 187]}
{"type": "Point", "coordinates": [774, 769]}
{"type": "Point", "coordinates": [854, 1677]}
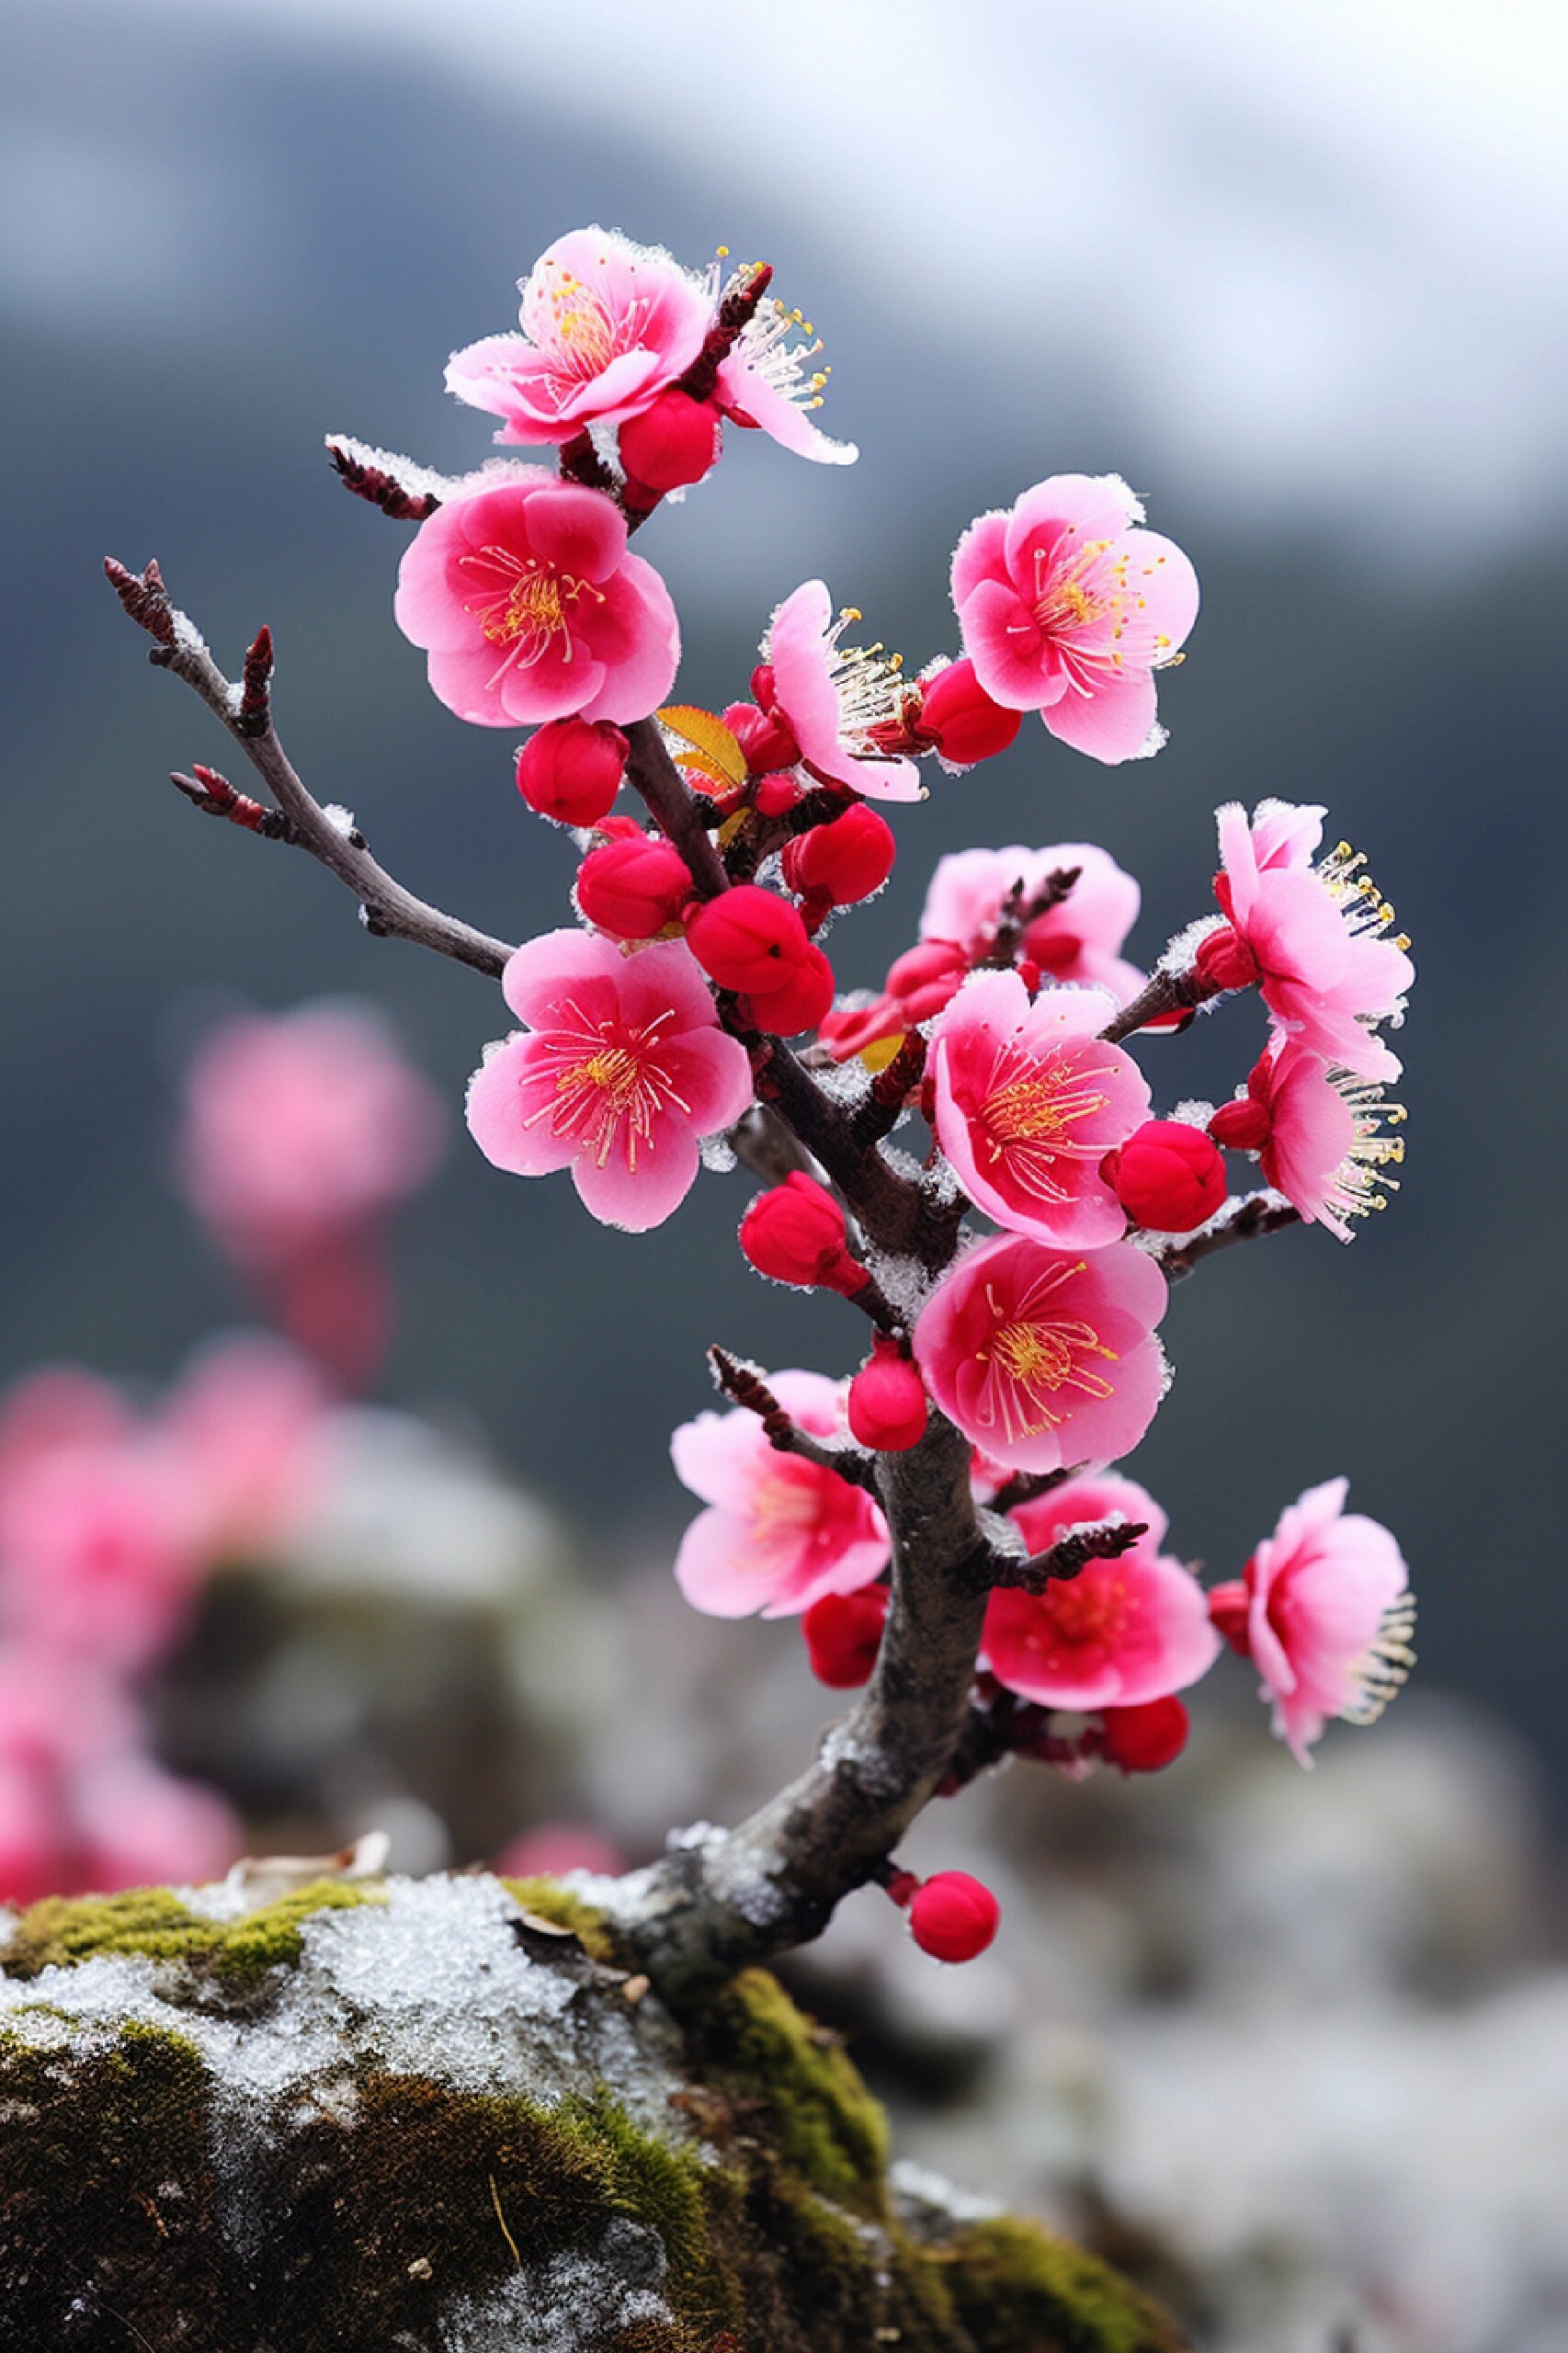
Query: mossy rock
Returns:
{"type": "Point", "coordinates": [438, 2116]}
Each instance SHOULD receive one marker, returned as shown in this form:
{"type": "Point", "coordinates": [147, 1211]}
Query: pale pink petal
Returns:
{"type": "Point", "coordinates": [638, 1198]}
{"type": "Point", "coordinates": [718, 1456]}
{"type": "Point", "coordinates": [1115, 722]}
{"type": "Point", "coordinates": [981, 554]}
{"type": "Point", "coordinates": [718, 1567]}
{"type": "Point", "coordinates": [743, 387]}
{"type": "Point", "coordinates": [509, 1099]}
{"type": "Point", "coordinates": [640, 680]}
{"type": "Point", "coordinates": [1058, 517]}
{"type": "Point", "coordinates": [544, 972]}
{"type": "Point", "coordinates": [713, 1075]}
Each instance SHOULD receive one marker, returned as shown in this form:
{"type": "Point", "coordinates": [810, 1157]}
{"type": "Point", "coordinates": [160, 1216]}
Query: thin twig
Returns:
{"type": "Point", "coordinates": [388, 910]}
{"type": "Point", "coordinates": [746, 1388]}
{"type": "Point", "coordinates": [1108, 1540]}
{"type": "Point", "coordinates": [1245, 1218]}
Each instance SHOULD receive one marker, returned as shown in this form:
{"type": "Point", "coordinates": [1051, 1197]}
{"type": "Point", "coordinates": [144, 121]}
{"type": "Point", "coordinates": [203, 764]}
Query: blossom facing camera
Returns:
{"type": "Point", "coordinates": [888, 1411]}
{"type": "Point", "coordinates": [606, 325]}
{"type": "Point", "coordinates": [1034, 1351]}
{"type": "Point", "coordinates": [1324, 1612]}
{"type": "Point", "coordinates": [795, 1232]}
{"type": "Point", "coordinates": [633, 889]}
{"type": "Point", "coordinates": [1168, 1177]}
{"type": "Point", "coordinates": [1029, 1099]}
{"type": "Point", "coordinates": [779, 1531]}
{"type": "Point", "coordinates": [530, 608]}
{"type": "Point", "coordinates": [843, 1634]}
{"type": "Point", "coordinates": [835, 699]}
{"type": "Point", "coordinates": [621, 1070]}
{"type": "Point", "coordinates": [1144, 1739]}
{"type": "Point", "coordinates": [953, 1917]}
{"type": "Point", "coordinates": [1120, 1632]}
{"type": "Point", "coordinates": [572, 770]}
{"type": "Point", "coordinates": [1066, 607]}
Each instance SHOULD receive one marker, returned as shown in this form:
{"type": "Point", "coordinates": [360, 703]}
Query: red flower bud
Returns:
{"type": "Point", "coordinates": [887, 1400]}
{"type": "Point", "coordinates": [674, 442]}
{"type": "Point", "coordinates": [1168, 1177]}
{"type": "Point", "coordinates": [796, 1233]}
{"type": "Point", "coordinates": [570, 770]}
{"type": "Point", "coordinates": [763, 736]}
{"type": "Point", "coordinates": [952, 1916]}
{"type": "Point", "coordinates": [1146, 1739]}
{"type": "Point", "coordinates": [763, 689]}
{"type": "Point", "coordinates": [802, 1001]}
{"type": "Point", "coordinates": [1228, 1611]}
{"type": "Point", "coordinates": [843, 1633]}
{"type": "Point", "coordinates": [843, 862]}
{"type": "Point", "coordinates": [776, 793]}
{"type": "Point", "coordinates": [1241, 1126]}
{"type": "Point", "coordinates": [748, 938]}
{"type": "Point", "coordinates": [1225, 962]}
{"type": "Point", "coordinates": [633, 889]}
{"type": "Point", "coordinates": [960, 717]}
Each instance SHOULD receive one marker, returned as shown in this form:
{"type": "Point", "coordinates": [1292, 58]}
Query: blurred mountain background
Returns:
{"type": "Point", "coordinates": [1301, 284]}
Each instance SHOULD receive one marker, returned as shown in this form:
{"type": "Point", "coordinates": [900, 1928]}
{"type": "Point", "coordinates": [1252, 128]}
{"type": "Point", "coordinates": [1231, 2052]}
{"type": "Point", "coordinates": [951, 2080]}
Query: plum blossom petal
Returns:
{"type": "Point", "coordinates": [779, 1532]}
{"type": "Point", "coordinates": [530, 608]}
{"type": "Point", "coordinates": [835, 698]}
{"type": "Point", "coordinates": [1117, 1634]}
{"type": "Point", "coordinates": [607, 326]}
{"type": "Point", "coordinates": [1324, 1611]}
{"type": "Point", "coordinates": [1033, 1350]}
{"type": "Point", "coordinates": [1028, 1101]}
{"type": "Point", "coordinates": [1067, 607]}
{"type": "Point", "coordinates": [622, 1069]}
{"type": "Point", "coordinates": [1326, 974]}
{"type": "Point", "coordinates": [765, 381]}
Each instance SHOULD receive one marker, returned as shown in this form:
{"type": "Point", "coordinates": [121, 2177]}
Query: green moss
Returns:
{"type": "Point", "coordinates": [151, 1921]}
{"type": "Point", "coordinates": [547, 1900]}
{"type": "Point", "coordinates": [1017, 2289]}
{"type": "Point", "coordinates": [774, 2061]}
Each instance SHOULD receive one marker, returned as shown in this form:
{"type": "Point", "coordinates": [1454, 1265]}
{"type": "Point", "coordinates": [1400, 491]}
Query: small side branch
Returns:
{"type": "Point", "coordinates": [673, 806]}
{"type": "Point", "coordinates": [1021, 907]}
{"type": "Point", "coordinates": [1244, 1217]}
{"type": "Point", "coordinates": [1163, 993]}
{"type": "Point", "coordinates": [1105, 1540]}
{"type": "Point", "coordinates": [879, 1114]}
{"type": "Point", "coordinates": [389, 911]}
{"type": "Point", "coordinates": [216, 797]}
{"type": "Point", "coordinates": [746, 1388]}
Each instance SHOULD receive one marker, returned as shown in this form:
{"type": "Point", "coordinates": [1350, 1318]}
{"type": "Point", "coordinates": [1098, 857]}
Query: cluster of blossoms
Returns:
{"type": "Point", "coordinates": [111, 1520]}
{"type": "Point", "coordinates": [660, 1019]}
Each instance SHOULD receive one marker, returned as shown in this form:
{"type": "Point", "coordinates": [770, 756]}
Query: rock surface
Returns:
{"type": "Point", "coordinates": [438, 2116]}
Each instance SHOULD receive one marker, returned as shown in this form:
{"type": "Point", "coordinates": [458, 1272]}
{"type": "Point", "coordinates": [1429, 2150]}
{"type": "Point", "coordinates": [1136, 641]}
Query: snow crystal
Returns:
{"type": "Point", "coordinates": [718, 1154]}
{"type": "Point", "coordinates": [340, 819]}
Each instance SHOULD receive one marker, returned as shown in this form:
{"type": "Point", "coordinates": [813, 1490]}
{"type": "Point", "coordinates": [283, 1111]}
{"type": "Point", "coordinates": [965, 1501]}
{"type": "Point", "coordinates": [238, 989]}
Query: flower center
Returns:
{"type": "Point", "coordinates": [1087, 1609]}
{"type": "Point", "coordinates": [610, 1086]}
{"type": "Point", "coordinates": [1030, 1115]}
{"type": "Point", "coordinates": [869, 684]}
{"type": "Point", "coordinates": [1033, 1358]}
{"type": "Point", "coordinates": [522, 604]}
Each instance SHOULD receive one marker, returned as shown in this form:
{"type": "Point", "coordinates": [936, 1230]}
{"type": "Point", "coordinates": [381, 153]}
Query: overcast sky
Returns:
{"type": "Point", "coordinates": [1325, 244]}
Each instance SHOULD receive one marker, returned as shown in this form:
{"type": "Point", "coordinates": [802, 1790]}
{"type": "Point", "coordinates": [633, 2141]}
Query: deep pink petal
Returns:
{"type": "Point", "coordinates": [1012, 660]}
{"type": "Point", "coordinates": [1058, 517]}
{"type": "Point", "coordinates": [577, 530]}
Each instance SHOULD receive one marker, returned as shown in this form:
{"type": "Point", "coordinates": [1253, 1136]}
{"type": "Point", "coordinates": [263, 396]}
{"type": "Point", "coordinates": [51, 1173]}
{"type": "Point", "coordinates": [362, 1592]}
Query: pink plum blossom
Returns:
{"type": "Point", "coordinates": [137, 1825]}
{"type": "Point", "coordinates": [1118, 1634]}
{"type": "Point", "coordinates": [779, 1532]}
{"type": "Point", "coordinates": [1078, 939]}
{"type": "Point", "coordinates": [1067, 608]}
{"type": "Point", "coordinates": [1324, 1612]}
{"type": "Point", "coordinates": [1312, 931]}
{"type": "Point", "coordinates": [1033, 1351]}
{"type": "Point", "coordinates": [834, 698]}
{"type": "Point", "coordinates": [1318, 1132]}
{"type": "Point", "coordinates": [1028, 1101]}
{"type": "Point", "coordinates": [251, 1414]}
{"type": "Point", "coordinates": [102, 1545]}
{"type": "Point", "coordinates": [530, 608]}
{"type": "Point", "coordinates": [621, 1070]}
{"type": "Point", "coordinates": [300, 1127]}
{"type": "Point", "coordinates": [607, 326]}
{"type": "Point", "coordinates": [765, 383]}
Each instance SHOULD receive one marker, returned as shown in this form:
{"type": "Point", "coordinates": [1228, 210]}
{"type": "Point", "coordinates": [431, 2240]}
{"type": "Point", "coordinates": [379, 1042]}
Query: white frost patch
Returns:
{"type": "Point", "coordinates": [340, 819]}
{"type": "Point", "coordinates": [562, 2306]}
